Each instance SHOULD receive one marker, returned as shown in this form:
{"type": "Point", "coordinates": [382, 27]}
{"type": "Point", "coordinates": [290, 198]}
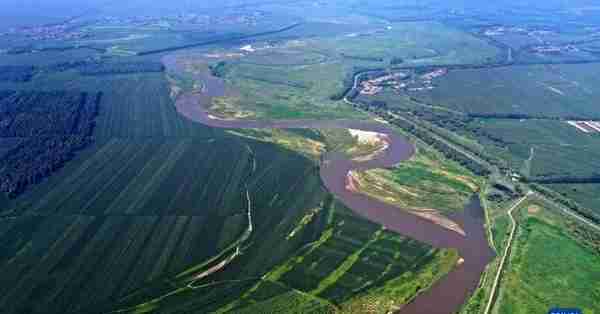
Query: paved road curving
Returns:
{"type": "Point", "coordinates": [449, 293]}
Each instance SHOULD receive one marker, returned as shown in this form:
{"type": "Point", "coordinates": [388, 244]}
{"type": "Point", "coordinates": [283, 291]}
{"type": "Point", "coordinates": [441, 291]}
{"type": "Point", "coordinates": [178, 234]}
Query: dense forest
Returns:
{"type": "Point", "coordinates": [47, 128]}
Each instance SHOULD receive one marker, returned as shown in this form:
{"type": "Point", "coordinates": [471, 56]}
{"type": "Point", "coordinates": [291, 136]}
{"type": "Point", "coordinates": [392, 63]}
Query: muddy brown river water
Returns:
{"type": "Point", "coordinates": [449, 293]}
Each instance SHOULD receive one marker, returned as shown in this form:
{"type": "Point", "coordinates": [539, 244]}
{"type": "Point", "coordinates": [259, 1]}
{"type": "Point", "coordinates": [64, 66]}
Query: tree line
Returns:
{"type": "Point", "coordinates": [448, 151]}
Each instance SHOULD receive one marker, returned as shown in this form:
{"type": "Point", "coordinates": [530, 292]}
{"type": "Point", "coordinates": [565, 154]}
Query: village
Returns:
{"type": "Point", "coordinates": [402, 81]}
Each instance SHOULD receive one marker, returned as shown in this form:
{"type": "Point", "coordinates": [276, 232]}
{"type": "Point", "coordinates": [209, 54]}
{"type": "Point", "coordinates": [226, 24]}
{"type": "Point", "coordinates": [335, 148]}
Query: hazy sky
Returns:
{"type": "Point", "coordinates": [27, 12]}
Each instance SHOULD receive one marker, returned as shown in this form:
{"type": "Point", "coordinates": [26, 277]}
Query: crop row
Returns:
{"type": "Point", "coordinates": [139, 105]}
{"type": "Point", "coordinates": [159, 177]}
{"type": "Point", "coordinates": [65, 264]}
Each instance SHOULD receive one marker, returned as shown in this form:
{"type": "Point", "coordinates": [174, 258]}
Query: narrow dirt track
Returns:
{"type": "Point", "coordinates": [513, 229]}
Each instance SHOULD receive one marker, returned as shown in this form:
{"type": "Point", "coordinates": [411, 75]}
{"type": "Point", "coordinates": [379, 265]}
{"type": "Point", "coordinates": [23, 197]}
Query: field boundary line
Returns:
{"type": "Point", "coordinates": [494, 291]}
{"type": "Point", "coordinates": [570, 212]}
{"type": "Point", "coordinates": [229, 259]}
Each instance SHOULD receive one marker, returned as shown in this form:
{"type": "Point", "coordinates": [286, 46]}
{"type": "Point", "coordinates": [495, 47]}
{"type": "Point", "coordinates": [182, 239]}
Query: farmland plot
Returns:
{"type": "Point", "coordinates": [153, 196]}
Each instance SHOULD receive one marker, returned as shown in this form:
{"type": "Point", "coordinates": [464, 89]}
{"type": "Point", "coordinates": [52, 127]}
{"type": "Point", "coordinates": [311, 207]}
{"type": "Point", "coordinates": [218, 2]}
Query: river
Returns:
{"type": "Point", "coordinates": [448, 294]}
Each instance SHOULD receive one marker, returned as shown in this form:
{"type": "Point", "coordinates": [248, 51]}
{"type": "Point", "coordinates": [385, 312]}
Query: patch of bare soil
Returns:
{"type": "Point", "coordinates": [439, 219]}
{"type": "Point", "coordinates": [533, 209]}
{"type": "Point", "coordinates": [353, 185]}
{"type": "Point", "coordinates": [372, 143]}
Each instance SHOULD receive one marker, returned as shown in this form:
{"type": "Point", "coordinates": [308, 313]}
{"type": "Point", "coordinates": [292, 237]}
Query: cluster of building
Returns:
{"type": "Point", "coordinates": [400, 81]}
{"type": "Point", "coordinates": [586, 126]}
{"type": "Point", "coordinates": [428, 77]}
{"type": "Point", "coordinates": [425, 81]}
{"type": "Point", "coordinates": [376, 85]}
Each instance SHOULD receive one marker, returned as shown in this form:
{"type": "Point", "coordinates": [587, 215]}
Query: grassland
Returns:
{"type": "Point", "coordinates": [294, 92]}
{"type": "Point", "coordinates": [298, 78]}
{"type": "Point", "coordinates": [549, 147]}
{"type": "Point", "coordinates": [545, 148]}
{"type": "Point", "coordinates": [426, 181]}
{"type": "Point", "coordinates": [417, 43]}
{"type": "Point", "coordinates": [549, 267]}
{"type": "Point", "coordinates": [549, 90]}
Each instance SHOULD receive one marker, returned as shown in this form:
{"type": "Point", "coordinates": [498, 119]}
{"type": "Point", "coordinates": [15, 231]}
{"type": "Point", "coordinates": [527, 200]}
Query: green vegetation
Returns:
{"type": "Point", "coordinates": [353, 265]}
{"type": "Point", "coordinates": [415, 42]}
{"type": "Point", "coordinates": [301, 141]}
{"type": "Point", "coordinates": [426, 181]}
{"type": "Point", "coordinates": [549, 147]}
{"type": "Point", "coordinates": [297, 92]}
{"type": "Point", "coordinates": [586, 194]}
{"type": "Point", "coordinates": [50, 126]}
{"type": "Point", "coordinates": [500, 231]}
{"type": "Point", "coordinates": [515, 115]}
{"type": "Point", "coordinates": [304, 78]}
{"type": "Point", "coordinates": [549, 90]}
{"type": "Point", "coordinates": [549, 268]}
{"type": "Point", "coordinates": [152, 215]}
{"type": "Point", "coordinates": [153, 196]}
{"type": "Point", "coordinates": [174, 205]}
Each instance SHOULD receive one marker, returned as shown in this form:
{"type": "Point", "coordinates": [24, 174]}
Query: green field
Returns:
{"type": "Point", "coordinates": [542, 147]}
{"type": "Point", "coordinates": [418, 43]}
{"type": "Point", "coordinates": [155, 194]}
{"type": "Point", "coordinates": [163, 215]}
{"type": "Point", "coordinates": [585, 194]}
{"type": "Point", "coordinates": [157, 199]}
{"type": "Point", "coordinates": [549, 90]}
{"type": "Point", "coordinates": [549, 268]}
{"type": "Point", "coordinates": [290, 92]}
{"type": "Point", "coordinates": [351, 266]}
{"type": "Point", "coordinates": [298, 78]}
